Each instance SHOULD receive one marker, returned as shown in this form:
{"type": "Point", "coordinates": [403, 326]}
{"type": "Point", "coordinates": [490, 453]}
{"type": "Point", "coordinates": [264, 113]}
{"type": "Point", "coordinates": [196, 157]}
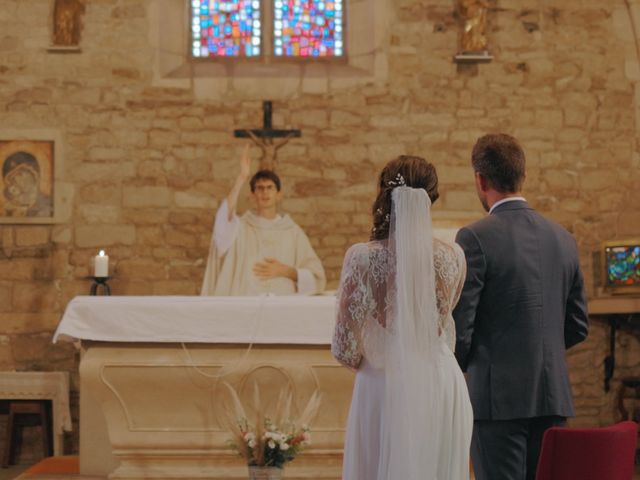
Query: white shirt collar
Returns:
{"type": "Point", "coordinates": [505, 200]}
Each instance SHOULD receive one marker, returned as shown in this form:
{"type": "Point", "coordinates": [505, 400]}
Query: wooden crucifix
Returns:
{"type": "Point", "coordinates": [267, 138]}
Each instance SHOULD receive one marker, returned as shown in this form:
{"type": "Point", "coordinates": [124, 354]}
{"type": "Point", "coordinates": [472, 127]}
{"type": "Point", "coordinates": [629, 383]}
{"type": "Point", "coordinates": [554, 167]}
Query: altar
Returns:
{"type": "Point", "coordinates": [152, 372]}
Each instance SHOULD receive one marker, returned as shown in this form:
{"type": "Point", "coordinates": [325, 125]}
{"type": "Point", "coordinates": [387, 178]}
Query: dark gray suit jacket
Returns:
{"type": "Point", "coordinates": [521, 307]}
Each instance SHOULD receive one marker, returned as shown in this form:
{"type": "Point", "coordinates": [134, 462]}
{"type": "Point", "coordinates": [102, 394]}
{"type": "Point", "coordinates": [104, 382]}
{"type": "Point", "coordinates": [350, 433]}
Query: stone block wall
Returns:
{"type": "Point", "coordinates": [147, 163]}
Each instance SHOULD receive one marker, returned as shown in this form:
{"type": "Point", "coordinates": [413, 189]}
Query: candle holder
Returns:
{"type": "Point", "coordinates": [100, 282]}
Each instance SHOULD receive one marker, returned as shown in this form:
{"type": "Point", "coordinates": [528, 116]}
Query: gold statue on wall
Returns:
{"type": "Point", "coordinates": [67, 22]}
{"type": "Point", "coordinates": [474, 16]}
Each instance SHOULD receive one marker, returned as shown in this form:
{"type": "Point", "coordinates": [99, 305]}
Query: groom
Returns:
{"type": "Point", "coordinates": [521, 307]}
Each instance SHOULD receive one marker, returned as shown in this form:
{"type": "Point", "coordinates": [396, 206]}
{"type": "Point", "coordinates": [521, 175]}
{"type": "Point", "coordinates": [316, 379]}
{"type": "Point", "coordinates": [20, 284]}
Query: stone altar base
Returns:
{"type": "Point", "coordinates": [154, 410]}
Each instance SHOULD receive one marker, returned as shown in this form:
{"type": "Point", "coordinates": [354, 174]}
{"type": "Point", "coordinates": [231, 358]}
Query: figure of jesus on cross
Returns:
{"type": "Point", "coordinates": [268, 139]}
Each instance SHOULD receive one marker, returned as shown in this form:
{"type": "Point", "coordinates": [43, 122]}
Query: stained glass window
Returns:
{"type": "Point", "coordinates": [228, 28]}
{"type": "Point", "coordinates": [306, 28]}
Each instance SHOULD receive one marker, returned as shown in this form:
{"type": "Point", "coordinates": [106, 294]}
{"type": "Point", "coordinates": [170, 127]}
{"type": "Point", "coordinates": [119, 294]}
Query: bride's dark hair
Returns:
{"type": "Point", "coordinates": [416, 172]}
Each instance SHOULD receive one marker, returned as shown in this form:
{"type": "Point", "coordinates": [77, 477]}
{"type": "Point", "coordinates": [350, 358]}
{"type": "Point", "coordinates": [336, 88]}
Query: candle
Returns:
{"type": "Point", "coordinates": [101, 265]}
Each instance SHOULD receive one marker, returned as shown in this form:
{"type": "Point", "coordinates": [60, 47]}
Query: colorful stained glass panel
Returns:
{"type": "Point", "coordinates": [228, 28]}
{"type": "Point", "coordinates": [623, 265]}
{"type": "Point", "coordinates": [305, 28]}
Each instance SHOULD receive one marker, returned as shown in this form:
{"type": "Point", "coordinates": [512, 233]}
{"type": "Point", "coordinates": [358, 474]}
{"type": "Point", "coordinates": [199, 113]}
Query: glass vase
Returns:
{"type": "Point", "coordinates": [265, 473]}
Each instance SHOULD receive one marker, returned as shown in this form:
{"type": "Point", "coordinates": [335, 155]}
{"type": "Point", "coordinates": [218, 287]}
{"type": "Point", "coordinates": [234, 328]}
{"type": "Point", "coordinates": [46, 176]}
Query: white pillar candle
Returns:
{"type": "Point", "coordinates": [101, 265]}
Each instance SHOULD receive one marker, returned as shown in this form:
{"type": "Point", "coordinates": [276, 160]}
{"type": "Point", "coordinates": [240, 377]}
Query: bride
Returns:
{"type": "Point", "coordinates": [410, 416]}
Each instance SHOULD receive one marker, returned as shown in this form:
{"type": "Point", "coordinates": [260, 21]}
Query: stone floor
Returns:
{"type": "Point", "coordinates": [12, 472]}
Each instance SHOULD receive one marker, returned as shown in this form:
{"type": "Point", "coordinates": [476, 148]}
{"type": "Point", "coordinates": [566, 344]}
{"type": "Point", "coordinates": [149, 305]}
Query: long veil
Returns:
{"type": "Point", "coordinates": [410, 429]}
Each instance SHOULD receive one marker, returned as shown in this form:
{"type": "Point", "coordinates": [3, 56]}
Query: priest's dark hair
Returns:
{"type": "Point", "coordinates": [265, 175]}
{"type": "Point", "coordinates": [499, 158]}
{"type": "Point", "coordinates": [415, 172]}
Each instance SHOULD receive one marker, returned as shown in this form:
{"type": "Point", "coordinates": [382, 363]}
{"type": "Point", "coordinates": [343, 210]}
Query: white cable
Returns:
{"type": "Point", "coordinates": [236, 366]}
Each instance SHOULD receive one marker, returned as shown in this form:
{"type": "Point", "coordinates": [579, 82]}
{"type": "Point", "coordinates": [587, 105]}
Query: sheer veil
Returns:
{"type": "Point", "coordinates": [410, 449]}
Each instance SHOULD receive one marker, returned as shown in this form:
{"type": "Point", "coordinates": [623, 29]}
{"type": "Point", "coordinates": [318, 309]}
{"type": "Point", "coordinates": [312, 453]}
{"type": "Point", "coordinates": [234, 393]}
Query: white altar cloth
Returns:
{"type": "Point", "coordinates": [260, 320]}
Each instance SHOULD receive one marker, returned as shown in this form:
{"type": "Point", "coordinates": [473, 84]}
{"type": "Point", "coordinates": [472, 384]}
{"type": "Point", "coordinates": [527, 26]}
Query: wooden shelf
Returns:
{"type": "Point", "coordinates": [614, 305]}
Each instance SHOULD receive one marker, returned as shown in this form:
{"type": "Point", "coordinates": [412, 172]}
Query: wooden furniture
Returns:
{"type": "Point", "coordinates": [37, 387]}
{"type": "Point", "coordinates": [617, 311]}
{"type": "Point", "coordinates": [629, 384]}
{"type": "Point", "coordinates": [19, 411]}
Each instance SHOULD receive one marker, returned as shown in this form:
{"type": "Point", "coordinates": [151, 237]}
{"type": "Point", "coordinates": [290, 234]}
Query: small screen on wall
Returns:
{"type": "Point", "coordinates": [623, 265]}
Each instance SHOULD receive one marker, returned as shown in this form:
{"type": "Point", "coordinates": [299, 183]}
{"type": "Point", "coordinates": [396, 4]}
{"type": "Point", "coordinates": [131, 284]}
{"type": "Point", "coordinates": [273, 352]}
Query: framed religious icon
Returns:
{"type": "Point", "coordinates": [28, 179]}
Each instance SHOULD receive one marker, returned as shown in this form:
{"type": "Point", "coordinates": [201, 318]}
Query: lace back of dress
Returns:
{"type": "Point", "coordinates": [412, 344]}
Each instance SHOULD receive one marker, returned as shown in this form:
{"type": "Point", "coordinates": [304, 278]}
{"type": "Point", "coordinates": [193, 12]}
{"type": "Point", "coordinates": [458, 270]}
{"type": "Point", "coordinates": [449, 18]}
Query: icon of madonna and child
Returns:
{"type": "Point", "coordinates": [26, 184]}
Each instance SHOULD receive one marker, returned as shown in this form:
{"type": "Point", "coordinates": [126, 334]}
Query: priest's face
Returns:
{"type": "Point", "coordinates": [266, 195]}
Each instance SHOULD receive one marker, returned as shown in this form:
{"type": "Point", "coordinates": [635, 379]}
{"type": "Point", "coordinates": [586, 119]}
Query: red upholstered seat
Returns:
{"type": "Point", "coordinates": [588, 453]}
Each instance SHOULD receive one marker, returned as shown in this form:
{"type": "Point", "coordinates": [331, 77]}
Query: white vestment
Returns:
{"type": "Point", "coordinates": [238, 244]}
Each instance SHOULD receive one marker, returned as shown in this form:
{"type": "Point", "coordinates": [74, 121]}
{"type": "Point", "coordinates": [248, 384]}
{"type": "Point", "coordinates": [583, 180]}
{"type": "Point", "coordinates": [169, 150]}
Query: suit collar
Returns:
{"type": "Point", "coordinates": [511, 205]}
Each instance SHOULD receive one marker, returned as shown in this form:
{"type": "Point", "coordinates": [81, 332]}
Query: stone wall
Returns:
{"type": "Point", "coordinates": [146, 162]}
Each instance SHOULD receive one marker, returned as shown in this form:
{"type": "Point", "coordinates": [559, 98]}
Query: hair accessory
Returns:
{"type": "Point", "coordinates": [398, 182]}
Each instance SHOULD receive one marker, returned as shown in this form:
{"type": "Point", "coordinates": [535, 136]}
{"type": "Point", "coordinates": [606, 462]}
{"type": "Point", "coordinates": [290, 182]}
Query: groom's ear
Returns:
{"type": "Point", "coordinates": [481, 182]}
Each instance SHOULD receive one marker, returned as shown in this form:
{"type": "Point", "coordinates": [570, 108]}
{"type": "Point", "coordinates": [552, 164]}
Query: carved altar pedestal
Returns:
{"type": "Point", "coordinates": [154, 409]}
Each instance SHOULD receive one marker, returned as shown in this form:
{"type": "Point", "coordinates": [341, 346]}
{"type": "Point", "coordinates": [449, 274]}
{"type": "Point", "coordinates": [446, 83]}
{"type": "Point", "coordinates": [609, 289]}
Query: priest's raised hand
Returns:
{"type": "Point", "coordinates": [243, 176]}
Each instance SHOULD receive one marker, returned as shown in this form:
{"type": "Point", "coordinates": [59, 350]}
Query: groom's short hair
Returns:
{"type": "Point", "coordinates": [500, 159]}
{"type": "Point", "coordinates": [265, 175]}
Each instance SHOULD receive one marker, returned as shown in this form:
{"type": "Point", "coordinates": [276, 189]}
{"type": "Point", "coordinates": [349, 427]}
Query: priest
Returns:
{"type": "Point", "coordinates": [260, 252]}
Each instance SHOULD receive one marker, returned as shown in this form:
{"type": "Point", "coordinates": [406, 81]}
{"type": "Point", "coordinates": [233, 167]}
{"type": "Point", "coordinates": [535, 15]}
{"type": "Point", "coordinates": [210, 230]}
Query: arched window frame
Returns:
{"type": "Point", "coordinates": [368, 33]}
{"type": "Point", "coordinates": [267, 55]}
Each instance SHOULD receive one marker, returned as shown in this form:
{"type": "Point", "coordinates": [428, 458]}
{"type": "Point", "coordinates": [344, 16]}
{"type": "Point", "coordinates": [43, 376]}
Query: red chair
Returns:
{"type": "Point", "coordinates": [588, 453]}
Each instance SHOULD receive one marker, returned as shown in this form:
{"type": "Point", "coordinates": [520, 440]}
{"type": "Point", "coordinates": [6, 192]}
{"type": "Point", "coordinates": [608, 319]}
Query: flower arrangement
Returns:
{"type": "Point", "coordinates": [274, 447]}
{"type": "Point", "coordinates": [267, 441]}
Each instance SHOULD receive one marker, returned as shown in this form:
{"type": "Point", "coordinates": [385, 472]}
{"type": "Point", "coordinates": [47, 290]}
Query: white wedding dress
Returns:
{"type": "Point", "coordinates": [410, 416]}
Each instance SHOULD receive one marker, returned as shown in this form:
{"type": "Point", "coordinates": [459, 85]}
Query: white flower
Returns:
{"type": "Point", "coordinates": [271, 444]}
{"type": "Point", "coordinates": [283, 438]}
{"type": "Point", "coordinates": [284, 446]}
{"type": "Point", "coordinates": [252, 444]}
